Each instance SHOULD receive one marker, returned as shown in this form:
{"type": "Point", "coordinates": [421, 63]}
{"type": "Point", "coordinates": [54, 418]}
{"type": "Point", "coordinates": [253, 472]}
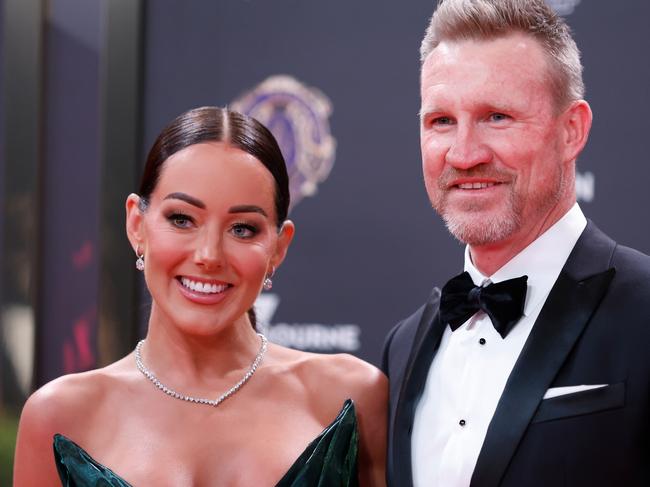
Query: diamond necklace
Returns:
{"type": "Point", "coordinates": [210, 402]}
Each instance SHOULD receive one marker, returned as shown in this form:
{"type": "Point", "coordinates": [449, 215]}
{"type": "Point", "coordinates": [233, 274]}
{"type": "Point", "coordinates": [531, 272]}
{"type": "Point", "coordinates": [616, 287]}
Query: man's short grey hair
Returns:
{"type": "Point", "coordinates": [455, 20]}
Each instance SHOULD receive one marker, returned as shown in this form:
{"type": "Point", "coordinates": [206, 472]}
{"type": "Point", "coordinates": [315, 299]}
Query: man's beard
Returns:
{"type": "Point", "coordinates": [474, 227]}
{"type": "Point", "coordinates": [477, 230]}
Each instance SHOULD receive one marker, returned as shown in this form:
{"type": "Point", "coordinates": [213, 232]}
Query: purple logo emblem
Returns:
{"type": "Point", "coordinates": [297, 116]}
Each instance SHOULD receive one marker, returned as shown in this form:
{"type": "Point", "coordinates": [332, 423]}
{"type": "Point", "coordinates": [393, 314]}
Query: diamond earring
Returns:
{"type": "Point", "coordinates": [139, 263]}
{"type": "Point", "coordinates": [268, 283]}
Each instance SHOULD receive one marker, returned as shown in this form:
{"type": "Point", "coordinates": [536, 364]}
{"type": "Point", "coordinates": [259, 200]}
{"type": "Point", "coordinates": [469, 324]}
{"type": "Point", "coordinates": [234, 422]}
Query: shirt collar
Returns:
{"type": "Point", "coordinates": [541, 261]}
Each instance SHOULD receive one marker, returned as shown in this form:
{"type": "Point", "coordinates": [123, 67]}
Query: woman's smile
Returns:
{"type": "Point", "coordinates": [203, 291]}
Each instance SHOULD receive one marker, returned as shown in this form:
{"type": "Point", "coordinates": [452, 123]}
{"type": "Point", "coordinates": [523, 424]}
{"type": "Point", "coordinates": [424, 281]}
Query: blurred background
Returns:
{"type": "Point", "coordinates": [86, 85]}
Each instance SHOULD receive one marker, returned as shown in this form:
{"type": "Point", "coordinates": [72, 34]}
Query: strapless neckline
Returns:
{"type": "Point", "coordinates": [329, 460]}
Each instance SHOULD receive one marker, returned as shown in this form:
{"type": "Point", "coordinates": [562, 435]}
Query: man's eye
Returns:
{"type": "Point", "coordinates": [498, 117]}
{"type": "Point", "coordinates": [244, 230]}
{"type": "Point", "coordinates": [441, 121]}
{"type": "Point", "coordinates": [180, 220]}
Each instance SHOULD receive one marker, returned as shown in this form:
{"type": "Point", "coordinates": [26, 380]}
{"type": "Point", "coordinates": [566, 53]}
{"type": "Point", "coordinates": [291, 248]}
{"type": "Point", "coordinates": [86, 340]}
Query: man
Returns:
{"type": "Point", "coordinates": [533, 367]}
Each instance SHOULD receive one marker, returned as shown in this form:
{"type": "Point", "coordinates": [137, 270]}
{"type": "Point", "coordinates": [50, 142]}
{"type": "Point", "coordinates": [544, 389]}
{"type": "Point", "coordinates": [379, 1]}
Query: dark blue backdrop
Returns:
{"type": "Point", "coordinates": [368, 247]}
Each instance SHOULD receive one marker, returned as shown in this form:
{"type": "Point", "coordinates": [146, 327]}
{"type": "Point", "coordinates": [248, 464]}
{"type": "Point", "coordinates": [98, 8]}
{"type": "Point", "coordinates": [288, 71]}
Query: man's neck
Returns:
{"type": "Point", "coordinates": [489, 258]}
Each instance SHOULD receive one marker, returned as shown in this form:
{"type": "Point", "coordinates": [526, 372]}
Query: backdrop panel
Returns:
{"type": "Point", "coordinates": [368, 248]}
{"type": "Point", "coordinates": [69, 281]}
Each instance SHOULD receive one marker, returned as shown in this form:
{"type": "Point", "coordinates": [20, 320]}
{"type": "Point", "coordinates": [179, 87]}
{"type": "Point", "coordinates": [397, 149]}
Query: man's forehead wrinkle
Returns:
{"type": "Point", "coordinates": [439, 94]}
{"type": "Point", "coordinates": [484, 68]}
{"type": "Point", "coordinates": [510, 44]}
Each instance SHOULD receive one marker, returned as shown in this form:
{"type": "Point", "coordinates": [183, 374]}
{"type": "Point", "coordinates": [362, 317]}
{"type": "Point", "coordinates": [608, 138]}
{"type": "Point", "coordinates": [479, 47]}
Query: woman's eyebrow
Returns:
{"type": "Point", "coordinates": [247, 209]}
{"type": "Point", "coordinates": [187, 198]}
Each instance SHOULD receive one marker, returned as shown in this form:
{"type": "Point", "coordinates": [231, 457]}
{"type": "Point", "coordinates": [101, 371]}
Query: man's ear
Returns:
{"type": "Point", "coordinates": [285, 237]}
{"type": "Point", "coordinates": [134, 223]}
{"type": "Point", "coordinates": [576, 123]}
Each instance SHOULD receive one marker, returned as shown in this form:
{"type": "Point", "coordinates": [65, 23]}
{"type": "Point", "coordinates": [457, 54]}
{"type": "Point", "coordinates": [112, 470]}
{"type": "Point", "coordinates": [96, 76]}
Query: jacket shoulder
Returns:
{"type": "Point", "coordinates": [632, 262]}
{"type": "Point", "coordinates": [400, 339]}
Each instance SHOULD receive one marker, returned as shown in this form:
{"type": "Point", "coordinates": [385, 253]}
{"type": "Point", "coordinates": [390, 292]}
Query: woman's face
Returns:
{"type": "Point", "coordinates": [209, 236]}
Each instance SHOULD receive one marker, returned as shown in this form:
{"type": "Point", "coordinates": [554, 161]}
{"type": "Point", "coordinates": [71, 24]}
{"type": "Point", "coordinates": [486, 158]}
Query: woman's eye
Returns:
{"type": "Point", "coordinates": [180, 220]}
{"type": "Point", "coordinates": [243, 230]}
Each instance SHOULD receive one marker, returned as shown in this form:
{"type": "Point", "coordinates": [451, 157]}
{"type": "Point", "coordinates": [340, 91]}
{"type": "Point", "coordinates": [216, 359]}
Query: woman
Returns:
{"type": "Point", "coordinates": [204, 400]}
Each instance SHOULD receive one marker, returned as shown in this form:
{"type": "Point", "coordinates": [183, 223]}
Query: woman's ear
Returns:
{"type": "Point", "coordinates": [134, 222]}
{"type": "Point", "coordinates": [285, 237]}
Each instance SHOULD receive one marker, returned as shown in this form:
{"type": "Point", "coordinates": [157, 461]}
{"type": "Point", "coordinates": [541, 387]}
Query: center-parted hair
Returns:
{"type": "Point", "coordinates": [214, 124]}
{"type": "Point", "coordinates": [455, 20]}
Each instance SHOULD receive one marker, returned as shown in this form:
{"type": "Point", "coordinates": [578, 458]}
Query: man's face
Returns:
{"type": "Point", "coordinates": [490, 139]}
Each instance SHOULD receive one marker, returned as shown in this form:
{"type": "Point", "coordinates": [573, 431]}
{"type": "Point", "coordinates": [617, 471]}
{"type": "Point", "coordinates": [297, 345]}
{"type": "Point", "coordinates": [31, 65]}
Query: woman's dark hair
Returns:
{"type": "Point", "coordinates": [214, 124]}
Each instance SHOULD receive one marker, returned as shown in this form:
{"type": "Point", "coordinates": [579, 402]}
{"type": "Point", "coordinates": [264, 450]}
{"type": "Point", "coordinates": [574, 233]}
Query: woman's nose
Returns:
{"type": "Point", "coordinates": [209, 250]}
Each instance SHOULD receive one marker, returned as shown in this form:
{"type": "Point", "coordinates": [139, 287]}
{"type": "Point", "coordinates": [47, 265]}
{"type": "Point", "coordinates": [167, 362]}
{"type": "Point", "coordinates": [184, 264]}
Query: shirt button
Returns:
{"type": "Point", "coordinates": [462, 422]}
{"type": "Point", "coordinates": [482, 341]}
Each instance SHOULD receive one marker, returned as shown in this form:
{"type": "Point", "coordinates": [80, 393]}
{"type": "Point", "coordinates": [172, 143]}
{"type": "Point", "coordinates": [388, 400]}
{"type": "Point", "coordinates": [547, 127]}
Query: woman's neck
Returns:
{"type": "Point", "coordinates": [198, 359]}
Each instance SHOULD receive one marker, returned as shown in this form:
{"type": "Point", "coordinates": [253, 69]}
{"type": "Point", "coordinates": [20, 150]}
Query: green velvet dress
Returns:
{"type": "Point", "coordinates": [328, 461]}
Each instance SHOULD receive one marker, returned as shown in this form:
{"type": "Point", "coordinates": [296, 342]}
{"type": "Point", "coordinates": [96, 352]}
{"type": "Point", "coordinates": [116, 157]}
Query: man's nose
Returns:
{"type": "Point", "coordinates": [209, 249]}
{"type": "Point", "coordinates": [467, 148]}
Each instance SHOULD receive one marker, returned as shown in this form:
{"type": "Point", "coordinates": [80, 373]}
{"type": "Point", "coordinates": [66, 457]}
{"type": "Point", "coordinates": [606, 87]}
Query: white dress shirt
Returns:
{"type": "Point", "coordinates": [473, 363]}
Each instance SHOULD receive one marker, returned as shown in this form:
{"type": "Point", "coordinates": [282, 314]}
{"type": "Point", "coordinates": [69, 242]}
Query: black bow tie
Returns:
{"type": "Point", "coordinates": [503, 302]}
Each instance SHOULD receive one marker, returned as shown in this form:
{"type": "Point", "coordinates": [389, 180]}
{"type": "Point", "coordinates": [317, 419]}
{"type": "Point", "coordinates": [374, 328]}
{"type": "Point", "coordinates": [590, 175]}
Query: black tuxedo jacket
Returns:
{"type": "Point", "coordinates": [593, 329]}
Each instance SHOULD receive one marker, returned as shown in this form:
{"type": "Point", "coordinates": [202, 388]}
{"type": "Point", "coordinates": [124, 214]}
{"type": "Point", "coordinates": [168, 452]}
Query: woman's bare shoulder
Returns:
{"type": "Point", "coordinates": [341, 375]}
{"type": "Point", "coordinates": [331, 379]}
{"type": "Point", "coordinates": [59, 403]}
{"type": "Point", "coordinates": [348, 372]}
{"type": "Point", "coordinates": [65, 405]}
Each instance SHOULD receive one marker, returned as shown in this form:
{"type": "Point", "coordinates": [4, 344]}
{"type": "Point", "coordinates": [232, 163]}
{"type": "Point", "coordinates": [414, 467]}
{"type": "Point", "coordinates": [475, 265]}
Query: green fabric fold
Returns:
{"type": "Point", "coordinates": [78, 469]}
{"type": "Point", "coordinates": [331, 459]}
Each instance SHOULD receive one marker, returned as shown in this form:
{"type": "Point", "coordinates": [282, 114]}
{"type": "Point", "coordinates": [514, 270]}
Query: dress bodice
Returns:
{"type": "Point", "coordinates": [330, 460]}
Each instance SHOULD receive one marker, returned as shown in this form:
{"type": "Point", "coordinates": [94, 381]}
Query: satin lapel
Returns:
{"type": "Point", "coordinates": [567, 310]}
{"type": "Point", "coordinates": [425, 343]}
